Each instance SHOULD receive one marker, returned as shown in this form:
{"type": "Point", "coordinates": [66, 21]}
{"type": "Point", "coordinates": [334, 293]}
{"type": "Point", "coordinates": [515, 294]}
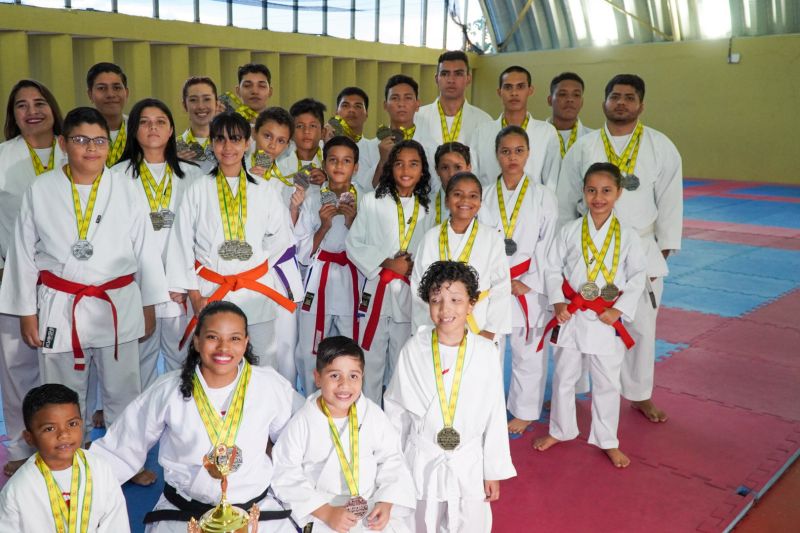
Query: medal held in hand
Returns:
{"type": "Point", "coordinates": [384, 132]}
{"type": "Point", "coordinates": [262, 159]}
{"type": "Point", "coordinates": [234, 217]}
{"type": "Point", "coordinates": [328, 198]}
{"type": "Point", "coordinates": [197, 149]}
{"type": "Point", "coordinates": [336, 124]}
{"type": "Point", "coordinates": [302, 178]}
{"type": "Point", "coordinates": [181, 145]}
{"type": "Point", "coordinates": [448, 438]}
{"type": "Point", "coordinates": [226, 457]}
{"type": "Point", "coordinates": [596, 264]}
{"type": "Point", "coordinates": [82, 249]}
{"type": "Point", "coordinates": [347, 198]}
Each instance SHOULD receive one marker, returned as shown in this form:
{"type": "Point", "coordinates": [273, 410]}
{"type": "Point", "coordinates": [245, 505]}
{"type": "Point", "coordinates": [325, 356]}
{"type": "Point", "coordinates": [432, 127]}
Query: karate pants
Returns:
{"type": "Point", "coordinates": [19, 373]}
{"type": "Point", "coordinates": [474, 516]}
{"type": "Point", "coordinates": [165, 339]}
{"type": "Point", "coordinates": [119, 379]}
{"type": "Point", "coordinates": [381, 358]}
{"type": "Point", "coordinates": [605, 373]}
{"type": "Point", "coordinates": [528, 374]}
{"type": "Point", "coordinates": [638, 369]}
{"type": "Point", "coordinates": [305, 359]}
{"type": "Point", "coordinates": [262, 337]}
{"type": "Point", "coordinates": [286, 344]}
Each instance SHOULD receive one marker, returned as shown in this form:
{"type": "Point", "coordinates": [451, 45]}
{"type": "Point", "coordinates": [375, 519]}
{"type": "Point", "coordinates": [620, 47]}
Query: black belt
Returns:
{"type": "Point", "coordinates": [188, 509]}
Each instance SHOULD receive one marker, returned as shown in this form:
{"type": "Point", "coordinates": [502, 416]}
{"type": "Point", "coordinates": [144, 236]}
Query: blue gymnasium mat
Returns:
{"type": "Point", "coordinates": [742, 211]}
{"type": "Point", "coordinates": [695, 183]}
{"type": "Point", "coordinates": [666, 349]}
{"type": "Point", "coordinates": [771, 190]}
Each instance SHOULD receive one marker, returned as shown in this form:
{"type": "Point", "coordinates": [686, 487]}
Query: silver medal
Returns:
{"type": "Point", "coordinates": [357, 506]}
{"type": "Point", "coordinates": [511, 247]}
{"type": "Point", "coordinates": [630, 182]}
{"type": "Point", "coordinates": [263, 159]}
{"type": "Point", "coordinates": [590, 291]}
{"type": "Point", "coordinates": [157, 220]}
{"type": "Point", "coordinates": [328, 198]}
{"type": "Point", "coordinates": [82, 249]}
{"type": "Point", "coordinates": [167, 217]}
{"type": "Point", "coordinates": [227, 250]}
{"type": "Point", "coordinates": [243, 250]}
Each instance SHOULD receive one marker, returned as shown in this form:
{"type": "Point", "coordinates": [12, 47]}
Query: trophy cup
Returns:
{"type": "Point", "coordinates": [224, 518]}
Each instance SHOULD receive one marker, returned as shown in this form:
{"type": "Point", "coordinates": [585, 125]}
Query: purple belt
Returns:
{"type": "Point", "coordinates": [287, 255]}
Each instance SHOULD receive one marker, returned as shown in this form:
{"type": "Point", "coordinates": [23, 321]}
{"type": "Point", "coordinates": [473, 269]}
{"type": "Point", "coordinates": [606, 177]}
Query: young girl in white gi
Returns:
{"type": "Point", "coordinates": [333, 283]}
{"type": "Point", "coordinates": [526, 213]}
{"type": "Point", "coordinates": [583, 259]}
{"type": "Point", "coordinates": [446, 399]}
{"type": "Point", "coordinates": [219, 397]}
{"type": "Point", "coordinates": [151, 161]}
{"type": "Point", "coordinates": [390, 225]}
{"type": "Point", "coordinates": [62, 482]}
{"type": "Point", "coordinates": [199, 98]}
{"type": "Point", "coordinates": [339, 463]}
{"type": "Point", "coordinates": [229, 231]}
{"type": "Point", "coordinates": [84, 271]}
{"type": "Point", "coordinates": [33, 120]}
{"type": "Point", "coordinates": [450, 159]}
{"type": "Point", "coordinates": [463, 238]}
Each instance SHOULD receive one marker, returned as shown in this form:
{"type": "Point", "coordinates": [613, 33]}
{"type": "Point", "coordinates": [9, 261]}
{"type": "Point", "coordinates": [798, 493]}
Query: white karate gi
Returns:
{"type": "Point", "coordinates": [655, 211]}
{"type": "Point", "coordinates": [533, 234]}
{"type": "Point", "coordinates": [449, 484]}
{"type": "Point", "coordinates": [207, 164]}
{"type": "Point", "coordinates": [585, 336]}
{"type": "Point", "coordinates": [368, 157]}
{"type": "Point", "coordinates": [338, 291]}
{"type": "Point", "coordinates": [429, 123]}
{"type": "Point", "coordinates": [308, 473]}
{"type": "Point", "coordinates": [543, 162]}
{"type": "Point", "coordinates": [124, 243]}
{"type": "Point", "coordinates": [162, 415]}
{"type": "Point", "coordinates": [171, 317]}
{"type": "Point", "coordinates": [373, 238]}
{"type": "Point", "coordinates": [25, 504]}
{"type": "Point", "coordinates": [488, 258]}
{"type": "Point", "coordinates": [197, 235]}
{"type": "Point", "coordinates": [19, 370]}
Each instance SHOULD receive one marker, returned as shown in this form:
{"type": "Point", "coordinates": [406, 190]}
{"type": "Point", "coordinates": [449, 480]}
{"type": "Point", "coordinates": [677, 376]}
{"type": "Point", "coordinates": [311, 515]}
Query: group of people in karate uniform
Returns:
{"type": "Point", "coordinates": [343, 298]}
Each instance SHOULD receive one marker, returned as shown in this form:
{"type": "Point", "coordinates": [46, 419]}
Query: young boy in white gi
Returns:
{"type": "Point", "coordinates": [107, 88]}
{"type": "Point", "coordinates": [61, 484]}
{"type": "Point", "coordinates": [339, 463]}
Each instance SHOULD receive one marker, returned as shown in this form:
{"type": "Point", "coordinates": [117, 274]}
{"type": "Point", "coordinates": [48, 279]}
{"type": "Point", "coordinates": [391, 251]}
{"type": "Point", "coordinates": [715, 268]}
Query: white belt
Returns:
{"type": "Point", "coordinates": [647, 231]}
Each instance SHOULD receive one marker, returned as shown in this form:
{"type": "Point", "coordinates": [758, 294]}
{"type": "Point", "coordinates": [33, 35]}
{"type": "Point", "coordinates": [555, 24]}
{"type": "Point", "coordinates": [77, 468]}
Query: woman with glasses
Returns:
{"type": "Point", "coordinates": [229, 231]}
{"type": "Point", "coordinates": [33, 121]}
{"type": "Point", "coordinates": [83, 271]}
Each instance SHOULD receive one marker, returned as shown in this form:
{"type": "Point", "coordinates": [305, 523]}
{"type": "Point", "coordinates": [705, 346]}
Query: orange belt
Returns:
{"type": "Point", "coordinates": [579, 303]}
{"type": "Point", "coordinates": [80, 291]}
{"type": "Point", "coordinates": [339, 258]}
{"type": "Point", "coordinates": [233, 282]}
{"type": "Point", "coordinates": [385, 277]}
{"type": "Point", "coordinates": [517, 271]}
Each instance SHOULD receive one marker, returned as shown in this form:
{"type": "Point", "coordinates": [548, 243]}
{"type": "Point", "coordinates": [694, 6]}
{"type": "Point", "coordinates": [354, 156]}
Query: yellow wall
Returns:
{"type": "Point", "coordinates": [728, 121]}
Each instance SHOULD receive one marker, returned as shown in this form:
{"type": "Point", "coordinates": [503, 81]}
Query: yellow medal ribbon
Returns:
{"type": "Point", "coordinates": [349, 469]}
{"type": "Point", "coordinates": [406, 234]}
{"type": "Point", "coordinates": [597, 261]}
{"type": "Point", "coordinates": [451, 135]}
{"type": "Point", "coordinates": [448, 408]}
{"type": "Point", "coordinates": [524, 126]}
{"type": "Point", "coordinates": [275, 172]}
{"type": "Point", "coordinates": [439, 207]}
{"type": "Point", "coordinates": [408, 133]}
{"type": "Point", "coordinates": [627, 161]}
{"type": "Point", "coordinates": [241, 108]}
{"type": "Point", "coordinates": [352, 190]}
{"type": "Point", "coordinates": [66, 521]}
{"type": "Point", "coordinates": [347, 129]}
{"type": "Point", "coordinates": [119, 145]}
{"type": "Point", "coordinates": [83, 219]}
{"type": "Point", "coordinates": [444, 244]}
{"type": "Point", "coordinates": [222, 430]}
{"type": "Point", "coordinates": [318, 156]}
{"type": "Point", "coordinates": [508, 227]}
{"type": "Point", "coordinates": [190, 138]}
{"type": "Point", "coordinates": [232, 226]}
{"type": "Point", "coordinates": [158, 195]}
{"type": "Point", "coordinates": [38, 167]}
{"type": "Point", "coordinates": [572, 136]}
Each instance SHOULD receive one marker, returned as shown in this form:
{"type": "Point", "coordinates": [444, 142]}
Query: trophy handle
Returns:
{"type": "Point", "coordinates": [255, 512]}
{"type": "Point", "coordinates": [193, 527]}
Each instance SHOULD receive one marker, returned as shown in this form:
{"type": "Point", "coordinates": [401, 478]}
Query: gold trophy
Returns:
{"type": "Point", "coordinates": [224, 518]}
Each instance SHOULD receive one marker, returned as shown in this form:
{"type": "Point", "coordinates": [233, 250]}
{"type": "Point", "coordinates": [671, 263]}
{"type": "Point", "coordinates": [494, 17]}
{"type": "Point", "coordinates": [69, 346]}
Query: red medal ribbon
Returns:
{"type": "Point", "coordinates": [80, 291]}
{"type": "Point", "coordinates": [517, 271]}
{"type": "Point", "coordinates": [339, 258]}
{"type": "Point", "coordinates": [579, 303]}
{"type": "Point", "coordinates": [233, 282]}
{"type": "Point", "coordinates": [385, 277]}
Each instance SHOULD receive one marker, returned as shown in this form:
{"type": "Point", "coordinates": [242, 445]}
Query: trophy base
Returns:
{"type": "Point", "coordinates": [224, 518]}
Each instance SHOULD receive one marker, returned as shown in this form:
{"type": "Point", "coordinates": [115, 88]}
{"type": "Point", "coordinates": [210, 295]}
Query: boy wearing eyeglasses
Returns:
{"type": "Point", "coordinates": [83, 269]}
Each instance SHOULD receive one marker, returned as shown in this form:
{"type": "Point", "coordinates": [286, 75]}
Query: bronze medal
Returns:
{"type": "Point", "coordinates": [609, 293]}
{"type": "Point", "coordinates": [82, 249]}
{"type": "Point", "coordinates": [157, 220]}
{"type": "Point", "coordinates": [357, 506]}
{"type": "Point", "coordinates": [511, 247]}
{"type": "Point", "coordinates": [590, 291]}
{"type": "Point", "coordinates": [243, 250]}
{"type": "Point", "coordinates": [448, 439]}
{"type": "Point", "coordinates": [227, 250]}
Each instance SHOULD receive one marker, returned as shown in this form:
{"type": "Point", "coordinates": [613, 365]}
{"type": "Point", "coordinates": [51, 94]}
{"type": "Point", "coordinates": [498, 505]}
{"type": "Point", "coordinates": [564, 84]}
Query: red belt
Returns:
{"type": "Point", "coordinates": [233, 282]}
{"type": "Point", "coordinates": [80, 291]}
{"type": "Point", "coordinates": [340, 258]}
{"type": "Point", "coordinates": [579, 303]}
{"type": "Point", "coordinates": [384, 278]}
{"type": "Point", "coordinates": [517, 271]}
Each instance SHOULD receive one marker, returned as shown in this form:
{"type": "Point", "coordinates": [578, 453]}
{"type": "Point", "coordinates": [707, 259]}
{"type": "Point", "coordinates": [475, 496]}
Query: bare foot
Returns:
{"type": "Point", "coordinates": [12, 466]}
{"type": "Point", "coordinates": [98, 420]}
{"type": "Point", "coordinates": [144, 477]}
{"type": "Point", "coordinates": [619, 459]}
{"type": "Point", "coordinates": [518, 426]}
{"type": "Point", "coordinates": [543, 443]}
{"type": "Point", "coordinates": [650, 411]}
